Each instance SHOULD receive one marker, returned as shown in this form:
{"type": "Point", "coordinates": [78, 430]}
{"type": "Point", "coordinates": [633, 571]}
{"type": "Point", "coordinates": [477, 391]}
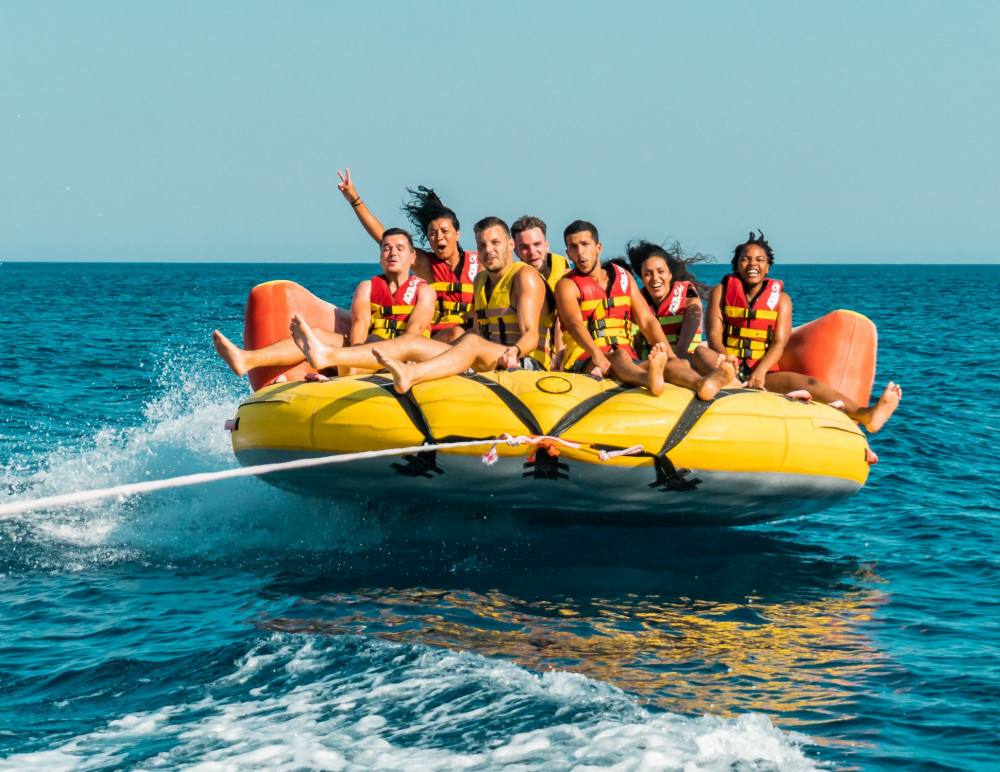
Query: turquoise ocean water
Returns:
{"type": "Point", "coordinates": [234, 626]}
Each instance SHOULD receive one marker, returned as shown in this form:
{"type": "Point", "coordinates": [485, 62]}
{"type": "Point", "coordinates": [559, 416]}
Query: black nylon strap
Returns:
{"type": "Point", "coordinates": [575, 414]}
{"type": "Point", "coordinates": [407, 402]}
{"type": "Point", "coordinates": [695, 409]}
{"type": "Point", "coordinates": [515, 405]}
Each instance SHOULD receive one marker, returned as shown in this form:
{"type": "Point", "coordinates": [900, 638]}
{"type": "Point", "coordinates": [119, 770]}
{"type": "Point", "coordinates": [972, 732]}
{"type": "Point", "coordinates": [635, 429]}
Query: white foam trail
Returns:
{"type": "Point", "coordinates": [304, 702]}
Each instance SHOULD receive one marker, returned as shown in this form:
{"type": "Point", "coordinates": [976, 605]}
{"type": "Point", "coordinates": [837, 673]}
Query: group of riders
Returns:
{"type": "Point", "coordinates": [431, 314]}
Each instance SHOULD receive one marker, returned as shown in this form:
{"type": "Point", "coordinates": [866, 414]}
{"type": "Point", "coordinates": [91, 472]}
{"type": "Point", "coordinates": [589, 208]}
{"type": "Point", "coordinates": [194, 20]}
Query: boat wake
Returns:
{"type": "Point", "coordinates": [307, 701]}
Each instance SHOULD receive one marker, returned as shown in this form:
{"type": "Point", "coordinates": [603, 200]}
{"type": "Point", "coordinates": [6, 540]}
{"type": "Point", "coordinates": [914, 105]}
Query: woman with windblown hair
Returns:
{"type": "Point", "coordinates": [448, 269]}
{"type": "Point", "coordinates": [674, 296]}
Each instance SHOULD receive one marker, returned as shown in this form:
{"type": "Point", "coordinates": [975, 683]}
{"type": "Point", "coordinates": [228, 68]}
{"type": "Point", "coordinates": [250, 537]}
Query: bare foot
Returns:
{"type": "Point", "coordinates": [320, 355]}
{"type": "Point", "coordinates": [400, 380]}
{"type": "Point", "coordinates": [874, 418]}
{"type": "Point", "coordinates": [710, 385]}
{"type": "Point", "coordinates": [733, 362]}
{"type": "Point", "coordinates": [234, 356]}
{"type": "Point", "coordinates": [657, 360]}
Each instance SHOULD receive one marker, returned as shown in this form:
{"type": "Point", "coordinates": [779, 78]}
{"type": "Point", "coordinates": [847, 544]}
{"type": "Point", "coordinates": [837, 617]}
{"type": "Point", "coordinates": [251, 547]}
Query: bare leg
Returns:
{"type": "Point", "coordinates": [886, 405]}
{"type": "Point", "coordinates": [449, 334]}
{"type": "Point", "coordinates": [322, 356]}
{"type": "Point", "coordinates": [282, 352]}
{"type": "Point", "coordinates": [680, 373]}
{"type": "Point", "coordinates": [872, 418]}
{"type": "Point", "coordinates": [471, 351]}
{"type": "Point", "coordinates": [704, 360]}
{"type": "Point", "coordinates": [627, 371]}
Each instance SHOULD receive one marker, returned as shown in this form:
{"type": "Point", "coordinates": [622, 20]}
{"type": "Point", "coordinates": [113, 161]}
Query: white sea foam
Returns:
{"type": "Point", "coordinates": [394, 707]}
{"type": "Point", "coordinates": [181, 433]}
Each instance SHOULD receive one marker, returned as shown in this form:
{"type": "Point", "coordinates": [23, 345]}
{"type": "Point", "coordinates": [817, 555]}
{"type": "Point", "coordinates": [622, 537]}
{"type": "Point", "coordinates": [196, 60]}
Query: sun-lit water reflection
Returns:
{"type": "Point", "coordinates": [799, 655]}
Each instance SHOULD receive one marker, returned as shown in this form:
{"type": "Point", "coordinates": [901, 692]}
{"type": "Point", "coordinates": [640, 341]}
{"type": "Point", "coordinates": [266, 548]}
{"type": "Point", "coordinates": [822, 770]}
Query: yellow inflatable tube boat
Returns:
{"type": "Point", "coordinates": [566, 446]}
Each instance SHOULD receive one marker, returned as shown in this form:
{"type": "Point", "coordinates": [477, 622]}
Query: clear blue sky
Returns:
{"type": "Point", "coordinates": [847, 131]}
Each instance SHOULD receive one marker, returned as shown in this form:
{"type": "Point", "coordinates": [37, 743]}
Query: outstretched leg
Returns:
{"type": "Point", "coordinates": [876, 415]}
{"type": "Point", "coordinates": [279, 353]}
{"type": "Point", "coordinates": [470, 351]}
{"type": "Point", "coordinates": [322, 356]}
{"type": "Point", "coordinates": [680, 373]}
{"type": "Point", "coordinates": [872, 417]}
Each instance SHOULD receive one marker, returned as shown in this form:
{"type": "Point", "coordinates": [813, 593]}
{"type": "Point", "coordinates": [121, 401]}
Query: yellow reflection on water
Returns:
{"type": "Point", "coordinates": [804, 660]}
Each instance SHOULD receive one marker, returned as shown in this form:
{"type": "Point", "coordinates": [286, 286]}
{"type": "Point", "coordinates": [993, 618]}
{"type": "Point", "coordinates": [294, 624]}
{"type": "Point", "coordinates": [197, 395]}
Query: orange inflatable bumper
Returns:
{"type": "Point", "coordinates": [839, 349]}
{"type": "Point", "coordinates": [269, 311]}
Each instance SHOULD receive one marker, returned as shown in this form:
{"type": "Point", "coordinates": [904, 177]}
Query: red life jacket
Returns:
{"type": "Point", "coordinates": [749, 330]}
{"type": "Point", "coordinates": [391, 310]}
{"type": "Point", "coordinates": [454, 292]}
{"type": "Point", "coordinates": [670, 315]}
{"type": "Point", "coordinates": [608, 315]}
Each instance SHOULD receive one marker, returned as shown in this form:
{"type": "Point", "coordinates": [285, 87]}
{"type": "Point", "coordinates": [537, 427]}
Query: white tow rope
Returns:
{"type": "Point", "coordinates": [132, 489]}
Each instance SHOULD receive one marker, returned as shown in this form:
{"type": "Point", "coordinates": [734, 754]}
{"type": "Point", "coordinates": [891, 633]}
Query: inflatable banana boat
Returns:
{"type": "Point", "coordinates": [553, 446]}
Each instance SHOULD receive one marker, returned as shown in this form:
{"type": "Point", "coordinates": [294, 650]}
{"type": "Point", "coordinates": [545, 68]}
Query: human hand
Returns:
{"type": "Point", "coordinates": [602, 364]}
{"type": "Point", "coordinates": [346, 187]}
{"type": "Point", "coordinates": [756, 381]}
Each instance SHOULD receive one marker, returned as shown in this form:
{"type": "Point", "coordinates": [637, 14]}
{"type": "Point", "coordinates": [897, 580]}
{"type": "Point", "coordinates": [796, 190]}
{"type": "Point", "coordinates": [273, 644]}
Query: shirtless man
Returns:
{"type": "Point", "coordinates": [510, 299]}
{"type": "Point", "coordinates": [596, 305]}
{"type": "Point", "coordinates": [531, 245]}
{"type": "Point", "coordinates": [395, 303]}
{"type": "Point", "coordinates": [758, 340]}
{"type": "Point", "coordinates": [448, 269]}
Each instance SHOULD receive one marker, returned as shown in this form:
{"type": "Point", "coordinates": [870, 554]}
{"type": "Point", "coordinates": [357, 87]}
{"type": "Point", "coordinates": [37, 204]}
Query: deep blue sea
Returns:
{"type": "Point", "coordinates": [235, 626]}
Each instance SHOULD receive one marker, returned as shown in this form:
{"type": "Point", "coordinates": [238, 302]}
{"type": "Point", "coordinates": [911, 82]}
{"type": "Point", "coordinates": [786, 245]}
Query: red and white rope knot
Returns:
{"type": "Point", "coordinates": [491, 456]}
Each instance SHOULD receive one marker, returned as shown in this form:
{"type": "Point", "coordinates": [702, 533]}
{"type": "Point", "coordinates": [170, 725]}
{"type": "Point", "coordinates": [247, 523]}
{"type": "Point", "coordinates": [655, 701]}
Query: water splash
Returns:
{"type": "Point", "coordinates": [178, 432]}
{"type": "Point", "coordinates": [294, 702]}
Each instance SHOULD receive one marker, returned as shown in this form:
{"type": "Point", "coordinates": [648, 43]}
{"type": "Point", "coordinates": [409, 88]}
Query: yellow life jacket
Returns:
{"type": "Point", "coordinates": [558, 266]}
{"type": "Point", "coordinates": [497, 319]}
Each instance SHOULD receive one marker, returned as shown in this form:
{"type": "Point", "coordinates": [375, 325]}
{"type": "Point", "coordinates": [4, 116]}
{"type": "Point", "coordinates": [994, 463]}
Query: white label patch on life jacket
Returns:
{"type": "Point", "coordinates": [473, 265]}
{"type": "Point", "coordinates": [772, 301]}
{"type": "Point", "coordinates": [622, 280]}
{"type": "Point", "coordinates": [411, 291]}
{"type": "Point", "coordinates": [675, 299]}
